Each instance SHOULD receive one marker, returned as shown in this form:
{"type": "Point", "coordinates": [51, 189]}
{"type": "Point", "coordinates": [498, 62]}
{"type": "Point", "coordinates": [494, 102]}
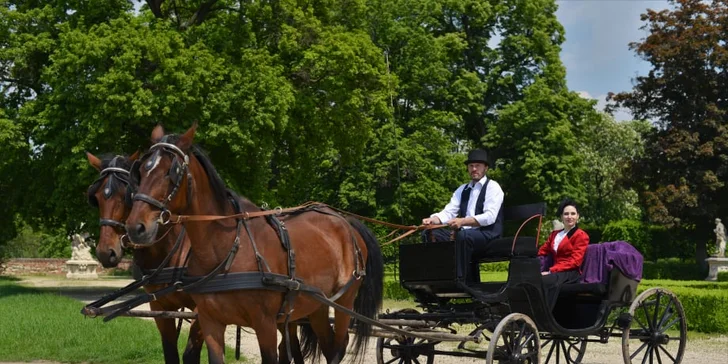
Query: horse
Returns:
{"type": "Point", "coordinates": [111, 194]}
{"type": "Point", "coordinates": [114, 204]}
{"type": "Point", "coordinates": [334, 255]}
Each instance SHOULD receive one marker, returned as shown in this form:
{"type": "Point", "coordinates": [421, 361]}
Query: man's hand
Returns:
{"type": "Point", "coordinates": [431, 221]}
{"type": "Point", "coordinates": [456, 223]}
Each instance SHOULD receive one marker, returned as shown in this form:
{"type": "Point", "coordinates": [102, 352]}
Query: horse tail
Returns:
{"type": "Point", "coordinates": [309, 343]}
{"type": "Point", "coordinates": [369, 298]}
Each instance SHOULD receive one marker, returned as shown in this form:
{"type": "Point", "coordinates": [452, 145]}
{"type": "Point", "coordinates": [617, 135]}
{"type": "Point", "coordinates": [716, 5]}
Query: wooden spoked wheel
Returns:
{"type": "Point", "coordinates": [564, 349]}
{"type": "Point", "coordinates": [657, 332]}
{"type": "Point", "coordinates": [514, 341]}
{"type": "Point", "coordinates": [405, 349]}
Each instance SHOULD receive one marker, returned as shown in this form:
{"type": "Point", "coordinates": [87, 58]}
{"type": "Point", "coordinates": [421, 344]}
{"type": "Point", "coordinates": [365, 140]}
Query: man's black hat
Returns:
{"type": "Point", "coordinates": [477, 156]}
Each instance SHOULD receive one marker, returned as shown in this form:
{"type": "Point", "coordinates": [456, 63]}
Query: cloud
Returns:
{"type": "Point", "coordinates": [619, 115]}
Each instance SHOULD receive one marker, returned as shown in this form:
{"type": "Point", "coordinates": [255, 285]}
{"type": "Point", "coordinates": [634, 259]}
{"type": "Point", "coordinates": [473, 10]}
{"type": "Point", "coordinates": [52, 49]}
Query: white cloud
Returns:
{"type": "Point", "coordinates": [619, 115]}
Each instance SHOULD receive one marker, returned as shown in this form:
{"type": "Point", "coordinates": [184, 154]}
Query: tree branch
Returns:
{"type": "Point", "coordinates": [200, 15]}
{"type": "Point", "coordinates": [156, 7]}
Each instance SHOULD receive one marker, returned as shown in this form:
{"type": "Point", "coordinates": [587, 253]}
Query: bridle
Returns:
{"type": "Point", "coordinates": [113, 172]}
{"type": "Point", "coordinates": [179, 168]}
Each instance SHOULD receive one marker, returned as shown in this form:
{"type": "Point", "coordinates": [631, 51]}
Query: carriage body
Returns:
{"type": "Point", "coordinates": [505, 310]}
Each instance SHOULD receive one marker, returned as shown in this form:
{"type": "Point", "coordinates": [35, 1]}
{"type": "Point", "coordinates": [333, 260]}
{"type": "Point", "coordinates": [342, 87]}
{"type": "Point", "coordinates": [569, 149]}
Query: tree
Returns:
{"type": "Point", "coordinates": [683, 173]}
{"type": "Point", "coordinates": [539, 152]}
{"type": "Point", "coordinates": [609, 149]}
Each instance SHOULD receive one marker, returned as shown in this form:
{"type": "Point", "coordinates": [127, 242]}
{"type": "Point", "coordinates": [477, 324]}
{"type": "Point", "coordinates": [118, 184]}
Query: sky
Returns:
{"type": "Point", "coordinates": [596, 52]}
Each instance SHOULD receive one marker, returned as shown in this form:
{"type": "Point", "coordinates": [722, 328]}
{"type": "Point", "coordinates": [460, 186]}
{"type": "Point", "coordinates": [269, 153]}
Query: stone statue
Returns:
{"type": "Point", "coordinates": [719, 239]}
{"type": "Point", "coordinates": [80, 251]}
{"type": "Point", "coordinates": [82, 265]}
{"type": "Point", "coordinates": [557, 225]}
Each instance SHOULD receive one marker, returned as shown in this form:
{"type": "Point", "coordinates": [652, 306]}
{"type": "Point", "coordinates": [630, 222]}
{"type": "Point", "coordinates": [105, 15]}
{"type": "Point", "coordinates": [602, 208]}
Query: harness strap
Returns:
{"type": "Point", "coordinates": [110, 222]}
{"type": "Point", "coordinates": [150, 200]}
{"type": "Point", "coordinates": [95, 308]}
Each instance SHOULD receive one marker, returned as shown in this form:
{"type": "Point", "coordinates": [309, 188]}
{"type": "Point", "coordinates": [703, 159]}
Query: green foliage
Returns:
{"type": "Point", "coordinates": [367, 105]}
{"type": "Point", "coordinates": [683, 172]}
{"type": "Point", "coordinates": [37, 243]}
{"type": "Point", "coordinates": [674, 269]}
{"type": "Point", "coordinates": [539, 155]}
{"type": "Point", "coordinates": [723, 276]}
{"type": "Point", "coordinates": [706, 310]}
{"type": "Point", "coordinates": [609, 147]}
{"type": "Point", "coordinates": [595, 232]}
{"type": "Point", "coordinates": [632, 231]}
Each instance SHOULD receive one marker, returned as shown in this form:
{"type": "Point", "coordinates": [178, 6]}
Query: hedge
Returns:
{"type": "Point", "coordinates": [722, 276]}
{"type": "Point", "coordinates": [706, 310]}
{"type": "Point", "coordinates": [673, 269]}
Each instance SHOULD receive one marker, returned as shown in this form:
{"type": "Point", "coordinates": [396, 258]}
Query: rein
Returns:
{"type": "Point", "coordinates": [172, 218]}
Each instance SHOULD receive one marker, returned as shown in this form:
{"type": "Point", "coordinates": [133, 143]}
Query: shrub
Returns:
{"type": "Point", "coordinates": [722, 276]}
{"type": "Point", "coordinates": [595, 232]}
{"type": "Point", "coordinates": [706, 310]}
{"type": "Point", "coordinates": [674, 269]}
{"type": "Point", "coordinates": [632, 231]}
{"type": "Point", "coordinates": [394, 291]}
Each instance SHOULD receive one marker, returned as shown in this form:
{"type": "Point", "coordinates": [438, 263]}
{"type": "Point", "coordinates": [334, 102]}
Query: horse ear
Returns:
{"type": "Point", "coordinates": [157, 133]}
{"type": "Point", "coordinates": [185, 141]}
{"type": "Point", "coordinates": [134, 156]}
{"type": "Point", "coordinates": [94, 161]}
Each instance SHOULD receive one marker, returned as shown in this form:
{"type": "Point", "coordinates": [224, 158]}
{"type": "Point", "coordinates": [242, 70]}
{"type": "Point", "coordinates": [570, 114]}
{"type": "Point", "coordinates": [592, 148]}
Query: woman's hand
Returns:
{"type": "Point", "coordinates": [545, 273]}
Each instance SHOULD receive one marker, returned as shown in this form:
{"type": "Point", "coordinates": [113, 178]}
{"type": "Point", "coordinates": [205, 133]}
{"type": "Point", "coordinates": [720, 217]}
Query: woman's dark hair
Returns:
{"type": "Point", "coordinates": [566, 202]}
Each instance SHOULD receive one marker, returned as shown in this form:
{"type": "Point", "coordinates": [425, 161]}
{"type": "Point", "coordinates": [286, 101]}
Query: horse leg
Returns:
{"type": "Point", "coordinates": [341, 336]}
{"type": "Point", "coordinates": [193, 350]}
{"type": "Point", "coordinates": [168, 331]}
{"type": "Point", "coordinates": [294, 344]}
{"type": "Point", "coordinates": [214, 334]}
{"type": "Point", "coordinates": [266, 332]}
{"type": "Point", "coordinates": [319, 321]}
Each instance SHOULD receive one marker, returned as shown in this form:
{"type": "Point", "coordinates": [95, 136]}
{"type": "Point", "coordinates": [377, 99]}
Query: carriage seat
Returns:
{"type": "Point", "coordinates": [506, 247]}
{"type": "Point", "coordinates": [610, 271]}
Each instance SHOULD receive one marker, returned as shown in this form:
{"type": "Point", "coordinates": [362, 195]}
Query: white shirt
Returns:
{"type": "Point", "coordinates": [559, 237]}
{"type": "Point", "coordinates": [491, 204]}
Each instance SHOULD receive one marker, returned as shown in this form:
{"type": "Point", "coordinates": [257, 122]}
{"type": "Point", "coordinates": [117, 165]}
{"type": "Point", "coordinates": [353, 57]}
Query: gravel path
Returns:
{"type": "Point", "coordinates": [699, 351]}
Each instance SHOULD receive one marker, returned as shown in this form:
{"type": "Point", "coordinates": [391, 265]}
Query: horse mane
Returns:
{"type": "Point", "coordinates": [217, 185]}
{"type": "Point", "coordinates": [106, 159]}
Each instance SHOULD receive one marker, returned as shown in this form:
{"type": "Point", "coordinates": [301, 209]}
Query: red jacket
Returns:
{"type": "Point", "coordinates": [571, 250]}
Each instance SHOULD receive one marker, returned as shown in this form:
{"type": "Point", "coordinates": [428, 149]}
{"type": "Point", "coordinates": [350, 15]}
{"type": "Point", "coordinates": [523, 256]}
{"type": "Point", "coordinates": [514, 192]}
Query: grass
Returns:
{"type": "Point", "coordinates": [37, 325]}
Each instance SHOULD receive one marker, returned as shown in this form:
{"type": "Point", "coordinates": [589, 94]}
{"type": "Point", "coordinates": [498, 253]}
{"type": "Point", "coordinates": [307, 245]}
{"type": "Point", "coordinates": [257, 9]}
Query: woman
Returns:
{"type": "Point", "coordinates": [566, 248]}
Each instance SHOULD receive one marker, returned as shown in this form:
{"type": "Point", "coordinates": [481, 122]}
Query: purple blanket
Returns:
{"type": "Point", "coordinates": [601, 258]}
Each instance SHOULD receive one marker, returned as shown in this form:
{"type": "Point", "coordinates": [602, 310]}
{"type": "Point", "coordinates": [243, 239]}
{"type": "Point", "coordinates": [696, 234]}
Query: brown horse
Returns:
{"type": "Point", "coordinates": [337, 256]}
{"type": "Point", "coordinates": [111, 193]}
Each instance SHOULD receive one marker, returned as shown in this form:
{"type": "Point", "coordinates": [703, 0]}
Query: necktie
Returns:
{"type": "Point", "coordinates": [464, 199]}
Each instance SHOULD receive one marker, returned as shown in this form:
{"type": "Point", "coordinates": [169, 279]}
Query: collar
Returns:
{"type": "Point", "coordinates": [480, 182]}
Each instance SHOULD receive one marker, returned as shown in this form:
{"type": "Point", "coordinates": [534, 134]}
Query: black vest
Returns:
{"type": "Point", "coordinates": [494, 230]}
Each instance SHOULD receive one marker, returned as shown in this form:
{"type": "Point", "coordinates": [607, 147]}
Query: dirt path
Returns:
{"type": "Point", "coordinates": [699, 351]}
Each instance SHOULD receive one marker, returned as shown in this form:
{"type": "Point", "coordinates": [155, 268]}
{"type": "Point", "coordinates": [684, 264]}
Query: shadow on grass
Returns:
{"type": "Point", "coordinates": [9, 287]}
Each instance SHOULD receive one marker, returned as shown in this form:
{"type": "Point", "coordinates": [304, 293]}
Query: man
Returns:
{"type": "Point", "coordinates": [474, 212]}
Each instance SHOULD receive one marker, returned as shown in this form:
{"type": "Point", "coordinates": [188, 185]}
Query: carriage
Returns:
{"type": "Point", "coordinates": [511, 320]}
{"type": "Point", "coordinates": [505, 322]}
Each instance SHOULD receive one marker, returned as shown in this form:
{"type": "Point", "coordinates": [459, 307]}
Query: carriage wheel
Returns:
{"type": "Point", "coordinates": [514, 341]}
{"type": "Point", "coordinates": [658, 330]}
{"type": "Point", "coordinates": [571, 349]}
{"type": "Point", "coordinates": [405, 350]}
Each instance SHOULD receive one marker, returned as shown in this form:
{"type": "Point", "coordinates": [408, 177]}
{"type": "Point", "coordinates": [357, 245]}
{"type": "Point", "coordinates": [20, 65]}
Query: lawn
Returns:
{"type": "Point", "coordinates": [35, 325]}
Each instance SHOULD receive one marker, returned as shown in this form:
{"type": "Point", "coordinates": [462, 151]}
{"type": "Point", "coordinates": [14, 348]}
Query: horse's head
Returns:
{"type": "Point", "coordinates": [111, 193]}
{"type": "Point", "coordinates": [164, 185]}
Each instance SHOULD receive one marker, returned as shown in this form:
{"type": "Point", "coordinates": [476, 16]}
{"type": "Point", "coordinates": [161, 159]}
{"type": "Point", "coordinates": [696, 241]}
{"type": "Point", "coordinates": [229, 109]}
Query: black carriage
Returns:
{"type": "Point", "coordinates": [511, 322]}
